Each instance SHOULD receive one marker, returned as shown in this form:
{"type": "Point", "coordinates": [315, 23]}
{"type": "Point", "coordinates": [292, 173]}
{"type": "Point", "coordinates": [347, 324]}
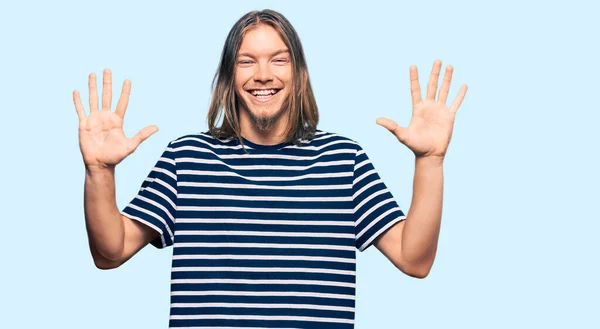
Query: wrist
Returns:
{"type": "Point", "coordinates": [98, 170]}
{"type": "Point", "coordinates": [429, 160]}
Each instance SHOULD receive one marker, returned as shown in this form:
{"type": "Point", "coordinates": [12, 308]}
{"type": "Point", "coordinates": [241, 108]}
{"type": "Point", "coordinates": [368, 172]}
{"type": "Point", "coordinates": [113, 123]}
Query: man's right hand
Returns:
{"type": "Point", "coordinates": [102, 141]}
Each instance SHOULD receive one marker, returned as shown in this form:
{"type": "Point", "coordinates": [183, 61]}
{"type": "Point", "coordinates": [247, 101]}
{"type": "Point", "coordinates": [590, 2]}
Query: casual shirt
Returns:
{"type": "Point", "coordinates": [268, 238]}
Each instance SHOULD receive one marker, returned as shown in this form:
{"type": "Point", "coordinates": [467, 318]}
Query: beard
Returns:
{"type": "Point", "coordinates": [266, 122]}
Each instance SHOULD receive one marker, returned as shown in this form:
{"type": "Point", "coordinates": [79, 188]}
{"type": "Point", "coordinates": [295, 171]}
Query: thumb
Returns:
{"type": "Point", "coordinates": [393, 127]}
{"type": "Point", "coordinates": [142, 135]}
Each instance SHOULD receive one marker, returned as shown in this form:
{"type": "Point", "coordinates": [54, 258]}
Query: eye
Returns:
{"type": "Point", "coordinates": [281, 60]}
{"type": "Point", "coordinates": [244, 62]}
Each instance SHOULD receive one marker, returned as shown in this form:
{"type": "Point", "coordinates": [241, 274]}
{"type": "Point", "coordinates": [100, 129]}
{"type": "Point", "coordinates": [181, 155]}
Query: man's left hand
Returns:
{"type": "Point", "coordinates": [430, 128]}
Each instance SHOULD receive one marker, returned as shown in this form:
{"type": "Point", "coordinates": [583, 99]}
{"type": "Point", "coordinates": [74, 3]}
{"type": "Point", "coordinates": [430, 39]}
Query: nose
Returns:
{"type": "Point", "coordinates": [263, 73]}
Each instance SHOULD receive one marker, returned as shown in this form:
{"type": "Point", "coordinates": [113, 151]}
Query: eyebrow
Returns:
{"type": "Point", "coordinates": [275, 53]}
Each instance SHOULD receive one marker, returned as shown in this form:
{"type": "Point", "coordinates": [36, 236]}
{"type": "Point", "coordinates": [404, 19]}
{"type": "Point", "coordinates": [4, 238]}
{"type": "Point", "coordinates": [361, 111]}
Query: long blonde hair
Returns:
{"type": "Point", "coordinates": [303, 114]}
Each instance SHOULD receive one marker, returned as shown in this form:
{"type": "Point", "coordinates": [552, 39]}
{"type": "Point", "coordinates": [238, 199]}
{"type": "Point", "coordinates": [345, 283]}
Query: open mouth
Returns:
{"type": "Point", "coordinates": [263, 95]}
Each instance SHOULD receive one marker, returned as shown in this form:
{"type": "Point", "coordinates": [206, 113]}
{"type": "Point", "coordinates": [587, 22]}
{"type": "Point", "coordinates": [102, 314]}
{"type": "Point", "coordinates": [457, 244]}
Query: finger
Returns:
{"type": "Point", "coordinates": [415, 89]}
{"type": "Point", "coordinates": [106, 90]}
{"type": "Point", "coordinates": [459, 98]}
{"type": "Point", "coordinates": [78, 106]}
{"type": "Point", "coordinates": [93, 92]}
{"type": "Point", "coordinates": [124, 99]}
{"type": "Point", "coordinates": [142, 135]}
{"type": "Point", "coordinates": [433, 80]}
{"type": "Point", "coordinates": [445, 88]}
{"type": "Point", "coordinates": [393, 127]}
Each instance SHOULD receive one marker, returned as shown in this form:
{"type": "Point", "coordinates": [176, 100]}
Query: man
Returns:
{"type": "Point", "coordinates": [265, 212]}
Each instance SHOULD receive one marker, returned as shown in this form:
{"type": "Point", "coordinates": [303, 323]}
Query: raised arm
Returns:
{"type": "Point", "coordinates": [113, 238]}
{"type": "Point", "coordinates": [412, 245]}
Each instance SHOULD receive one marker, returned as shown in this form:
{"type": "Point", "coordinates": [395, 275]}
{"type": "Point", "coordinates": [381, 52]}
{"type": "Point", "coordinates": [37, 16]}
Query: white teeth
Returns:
{"type": "Point", "coordinates": [263, 92]}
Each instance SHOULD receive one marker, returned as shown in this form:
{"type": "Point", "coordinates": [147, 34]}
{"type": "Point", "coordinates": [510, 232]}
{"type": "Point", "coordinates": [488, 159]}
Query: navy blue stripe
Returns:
{"type": "Point", "coordinates": [264, 299]}
{"type": "Point", "coordinates": [258, 323]}
{"type": "Point", "coordinates": [264, 251]}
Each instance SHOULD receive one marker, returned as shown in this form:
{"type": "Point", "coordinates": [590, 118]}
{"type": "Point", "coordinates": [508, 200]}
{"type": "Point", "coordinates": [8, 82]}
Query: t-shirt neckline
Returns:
{"type": "Point", "coordinates": [262, 146]}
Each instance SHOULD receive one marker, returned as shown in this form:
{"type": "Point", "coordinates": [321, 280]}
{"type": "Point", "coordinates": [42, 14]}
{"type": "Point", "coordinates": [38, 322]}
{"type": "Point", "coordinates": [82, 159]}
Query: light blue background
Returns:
{"type": "Point", "coordinates": [518, 245]}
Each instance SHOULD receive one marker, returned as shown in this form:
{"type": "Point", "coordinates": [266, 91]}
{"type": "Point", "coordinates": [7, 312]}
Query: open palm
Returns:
{"type": "Point", "coordinates": [430, 128]}
{"type": "Point", "coordinates": [102, 140]}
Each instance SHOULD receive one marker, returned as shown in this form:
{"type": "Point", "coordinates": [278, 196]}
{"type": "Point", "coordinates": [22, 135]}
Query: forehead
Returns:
{"type": "Point", "coordinates": [262, 40]}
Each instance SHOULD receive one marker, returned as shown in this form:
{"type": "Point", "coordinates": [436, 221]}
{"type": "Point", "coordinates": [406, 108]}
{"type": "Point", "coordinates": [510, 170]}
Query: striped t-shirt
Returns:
{"type": "Point", "coordinates": [266, 239]}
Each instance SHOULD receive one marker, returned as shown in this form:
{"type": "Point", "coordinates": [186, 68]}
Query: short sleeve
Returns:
{"type": "Point", "coordinates": [375, 208]}
{"type": "Point", "coordinates": [155, 203]}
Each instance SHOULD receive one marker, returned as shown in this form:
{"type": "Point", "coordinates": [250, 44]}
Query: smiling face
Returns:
{"type": "Point", "coordinates": [263, 78]}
